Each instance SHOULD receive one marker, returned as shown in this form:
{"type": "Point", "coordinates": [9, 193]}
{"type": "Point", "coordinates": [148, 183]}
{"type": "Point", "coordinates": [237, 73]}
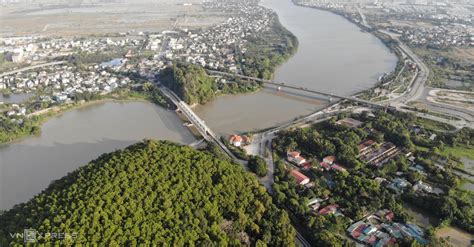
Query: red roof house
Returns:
{"type": "Point", "coordinates": [329, 159]}
{"type": "Point", "coordinates": [330, 209]}
{"type": "Point", "coordinates": [236, 140]}
{"type": "Point", "coordinates": [338, 168]}
{"type": "Point", "coordinates": [325, 165]}
{"type": "Point", "coordinates": [295, 158]}
{"type": "Point", "coordinates": [389, 216]}
{"type": "Point", "coordinates": [300, 178]}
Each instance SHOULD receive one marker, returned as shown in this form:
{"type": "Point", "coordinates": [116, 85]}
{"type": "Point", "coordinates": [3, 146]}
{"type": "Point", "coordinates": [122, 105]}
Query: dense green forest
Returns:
{"type": "Point", "coordinates": [190, 82]}
{"type": "Point", "coordinates": [267, 50]}
{"type": "Point", "coordinates": [154, 193]}
{"type": "Point", "coordinates": [257, 165]}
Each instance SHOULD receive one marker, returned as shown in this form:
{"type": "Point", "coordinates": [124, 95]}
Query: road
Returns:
{"type": "Point", "coordinates": [362, 17]}
{"type": "Point", "coordinates": [418, 89]}
{"type": "Point", "coordinates": [32, 67]}
{"type": "Point", "coordinates": [418, 86]}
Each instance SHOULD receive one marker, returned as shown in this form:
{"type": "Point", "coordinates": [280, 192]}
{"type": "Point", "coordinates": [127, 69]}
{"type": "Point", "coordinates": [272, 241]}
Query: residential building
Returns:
{"type": "Point", "coordinates": [300, 178]}
{"type": "Point", "coordinates": [295, 158]}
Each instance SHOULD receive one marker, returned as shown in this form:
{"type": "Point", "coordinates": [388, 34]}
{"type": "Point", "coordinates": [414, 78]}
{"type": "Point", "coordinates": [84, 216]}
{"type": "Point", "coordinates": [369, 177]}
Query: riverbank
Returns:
{"type": "Point", "coordinates": [385, 39]}
{"type": "Point", "coordinates": [31, 125]}
{"type": "Point", "coordinates": [268, 51]}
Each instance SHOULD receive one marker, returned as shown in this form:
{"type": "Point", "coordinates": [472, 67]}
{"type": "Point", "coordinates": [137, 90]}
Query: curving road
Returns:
{"type": "Point", "coordinates": [32, 67]}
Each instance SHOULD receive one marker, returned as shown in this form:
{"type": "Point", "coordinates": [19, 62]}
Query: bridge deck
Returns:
{"type": "Point", "coordinates": [205, 131]}
{"type": "Point", "coordinates": [285, 85]}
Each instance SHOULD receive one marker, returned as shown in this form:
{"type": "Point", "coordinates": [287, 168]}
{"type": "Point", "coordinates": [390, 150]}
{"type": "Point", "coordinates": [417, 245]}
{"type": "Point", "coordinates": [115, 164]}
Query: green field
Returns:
{"type": "Point", "coordinates": [460, 152]}
{"type": "Point", "coordinates": [433, 125]}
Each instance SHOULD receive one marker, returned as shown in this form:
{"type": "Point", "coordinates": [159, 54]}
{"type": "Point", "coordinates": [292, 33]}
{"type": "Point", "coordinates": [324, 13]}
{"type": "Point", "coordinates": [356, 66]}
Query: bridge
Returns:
{"type": "Point", "coordinates": [285, 85]}
{"type": "Point", "coordinates": [208, 135]}
{"type": "Point", "coordinates": [200, 125]}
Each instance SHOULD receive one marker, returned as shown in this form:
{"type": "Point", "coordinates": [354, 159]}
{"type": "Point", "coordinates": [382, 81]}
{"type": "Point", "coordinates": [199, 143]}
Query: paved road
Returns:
{"type": "Point", "coordinates": [418, 86]}
{"type": "Point", "coordinates": [418, 91]}
{"type": "Point", "coordinates": [32, 67]}
{"type": "Point", "coordinates": [364, 20]}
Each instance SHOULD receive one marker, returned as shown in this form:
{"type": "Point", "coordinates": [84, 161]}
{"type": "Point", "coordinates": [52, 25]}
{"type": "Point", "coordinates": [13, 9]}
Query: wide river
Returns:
{"type": "Point", "coordinates": [333, 55]}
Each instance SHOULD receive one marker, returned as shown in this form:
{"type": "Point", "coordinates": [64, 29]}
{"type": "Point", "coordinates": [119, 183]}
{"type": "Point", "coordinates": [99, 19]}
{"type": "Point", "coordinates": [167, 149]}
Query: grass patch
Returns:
{"type": "Point", "coordinates": [433, 125]}
{"type": "Point", "coordinates": [460, 151]}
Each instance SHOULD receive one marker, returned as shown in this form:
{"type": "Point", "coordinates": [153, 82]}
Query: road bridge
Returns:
{"type": "Point", "coordinates": [200, 125]}
{"type": "Point", "coordinates": [285, 85]}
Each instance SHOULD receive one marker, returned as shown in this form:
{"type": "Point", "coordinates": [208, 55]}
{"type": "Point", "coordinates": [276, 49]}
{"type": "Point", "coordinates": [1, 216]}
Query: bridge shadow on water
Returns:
{"type": "Point", "coordinates": [309, 98]}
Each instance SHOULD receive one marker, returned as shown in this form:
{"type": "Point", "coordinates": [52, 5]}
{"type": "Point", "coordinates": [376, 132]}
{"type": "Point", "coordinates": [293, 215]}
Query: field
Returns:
{"type": "Point", "coordinates": [460, 99]}
{"type": "Point", "coordinates": [453, 68]}
{"type": "Point", "coordinates": [457, 237]}
{"type": "Point", "coordinates": [460, 152]}
{"type": "Point", "coordinates": [77, 20]}
{"type": "Point", "coordinates": [433, 125]}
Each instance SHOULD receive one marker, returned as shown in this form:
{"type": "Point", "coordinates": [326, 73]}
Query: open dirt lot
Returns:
{"type": "Point", "coordinates": [85, 19]}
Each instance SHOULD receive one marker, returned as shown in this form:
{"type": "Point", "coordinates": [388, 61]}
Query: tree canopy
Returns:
{"type": "Point", "coordinates": [154, 193]}
{"type": "Point", "coordinates": [190, 82]}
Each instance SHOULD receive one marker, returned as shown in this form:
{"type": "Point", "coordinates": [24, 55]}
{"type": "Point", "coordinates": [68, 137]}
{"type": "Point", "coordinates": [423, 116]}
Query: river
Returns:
{"type": "Point", "coordinates": [333, 56]}
{"type": "Point", "coordinates": [75, 138]}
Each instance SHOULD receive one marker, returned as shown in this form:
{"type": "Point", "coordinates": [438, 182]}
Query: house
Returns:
{"type": "Point", "coordinates": [329, 159]}
{"type": "Point", "coordinates": [314, 201]}
{"type": "Point", "coordinates": [246, 139]}
{"type": "Point", "coordinates": [369, 230]}
{"type": "Point", "coordinates": [420, 186]}
{"type": "Point", "coordinates": [330, 209]}
{"type": "Point", "coordinates": [300, 178]}
{"type": "Point", "coordinates": [385, 214]}
{"type": "Point", "coordinates": [358, 226]}
{"type": "Point", "coordinates": [307, 166]}
{"type": "Point", "coordinates": [398, 184]}
{"type": "Point", "coordinates": [418, 168]}
{"type": "Point", "coordinates": [380, 180]}
{"type": "Point", "coordinates": [295, 158]}
{"type": "Point", "coordinates": [338, 168]}
{"type": "Point", "coordinates": [325, 166]}
{"type": "Point", "coordinates": [236, 140]}
{"type": "Point", "coordinates": [350, 122]}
